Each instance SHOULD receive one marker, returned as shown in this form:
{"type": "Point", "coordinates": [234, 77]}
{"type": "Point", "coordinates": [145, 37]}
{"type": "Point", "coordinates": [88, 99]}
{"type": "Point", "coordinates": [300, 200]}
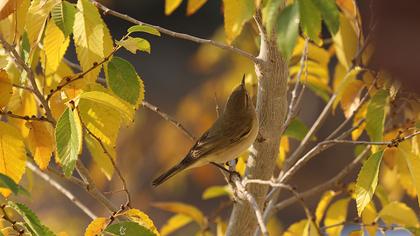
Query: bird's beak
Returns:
{"type": "Point", "coordinates": [243, 81]}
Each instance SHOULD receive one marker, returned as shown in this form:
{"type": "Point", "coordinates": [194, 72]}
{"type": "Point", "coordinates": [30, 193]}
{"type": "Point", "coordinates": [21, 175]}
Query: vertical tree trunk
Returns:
{"type": "Point", "coordinates": [272, 73]}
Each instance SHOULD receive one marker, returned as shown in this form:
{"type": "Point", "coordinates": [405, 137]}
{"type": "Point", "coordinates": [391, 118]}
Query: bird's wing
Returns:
{"type": "Point", "coordinates": [223, 137]}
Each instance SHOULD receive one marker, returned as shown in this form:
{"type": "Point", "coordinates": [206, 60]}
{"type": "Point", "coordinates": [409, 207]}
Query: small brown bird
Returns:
{"type": "Point", "coordinates": [230, 135]}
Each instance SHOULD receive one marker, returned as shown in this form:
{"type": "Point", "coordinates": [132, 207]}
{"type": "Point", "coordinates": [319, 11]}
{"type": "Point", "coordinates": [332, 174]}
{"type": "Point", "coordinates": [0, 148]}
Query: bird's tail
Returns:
{"type": "Point", "coordinates": [168, 174]}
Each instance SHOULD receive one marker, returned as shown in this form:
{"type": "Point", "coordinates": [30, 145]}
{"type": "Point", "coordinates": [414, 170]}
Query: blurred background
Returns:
{"type": "Point", "coordinates": [182, 79]}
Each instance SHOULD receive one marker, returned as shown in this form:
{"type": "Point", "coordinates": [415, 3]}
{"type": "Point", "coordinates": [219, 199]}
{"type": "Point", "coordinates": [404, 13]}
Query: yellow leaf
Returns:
{"type": "Point", "coordinates": [405, 179]}
{"type": "Point", "coordinates": [237, 13]}
{"type": "Point", "coordinates": [360, 114]}
{"type": "Point", "coordinates": [41, 142]}
{"type": "Point", "coordinates": [369, 219]}
{"type": "Point", "coordinates": [274, 226]}
{"type": "Point", "coordinates": [355, 233]}
{"type": "Point", "coordinates": [336, 214]}
{"type": "Point", "coordinates": [12, 154]}
{"type": "Point", "coordinates": [175, 222]}
{"type": "Point", "coordinates": [221, 227]}
{"type": "Point", "coordinates": [37, 15]}
{"type": "Point", "coordinates": [7, 7]}
{"type": "Point", "coordinates": [100, 157]}
{"type": "Point", "coordinates": [22, 103]}
{"type": "Point", "coordinates": [171, 5]}
{"type": "Point", "coordinates": [345, 42]}
{"type": "Point", "coordinates": [351, 97]}
{"type": "Point", "coordinates": [311, 229]}
{"type": "Point", "coordinates": [142, 219]}
{"type": "Point", "coordinates": [343, 84]}
{"type": "Point", "coordinates": [57, 105]}
{"type": "Point", "coordinates": [296, 228]}
{"type": "Point", "coordinates": [5, 88]}
{"type": "Point", "coordinates": [91, 38]}
{"type": "Point", "coordinates": [283, 150]}
{"type": "Point", "coordinates": [103, 114]}
{"type": "Point", "coordinates": [413, 163]}
{"type": "Point", "coordinates": [399, 213]}
{"type": "Point", "coordinates": [323, 204]}
{"type": "Point", "coordinates": [55, 46]}
{"type": "Point", "coordinates": [96, 226]}
{"type": "Point", "coordinates": [194, 5]}
{"type": "Point", "coordinates": [134, 44]}
{"type": "Point", "coordinates": [216, 191]}
{"type": "Point", "coordinates": [185, 209]}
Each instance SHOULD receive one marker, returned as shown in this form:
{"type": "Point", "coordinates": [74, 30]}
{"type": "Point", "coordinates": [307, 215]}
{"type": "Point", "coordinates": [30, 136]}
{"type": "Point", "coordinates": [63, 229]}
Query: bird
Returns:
{"type": "Point", "coordinates": [232, 133]}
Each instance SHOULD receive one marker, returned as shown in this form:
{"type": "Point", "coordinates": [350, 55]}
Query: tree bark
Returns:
{"type": "Point", "coordinates": [272, 73]}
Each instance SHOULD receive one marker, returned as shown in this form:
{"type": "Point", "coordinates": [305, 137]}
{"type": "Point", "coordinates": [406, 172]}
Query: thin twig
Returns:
{"type": "Point", "coordinates": [27, 118]}
{"type": "Point", "coordinates": [21, 63]}
{"type": "Point", "coordinates": [91, 187]}
{"type": "Point", "coordinates": [117, 170]}
{"type": "Point", "coordinates": [169, 119]}
{"type": "Point", "coordinates": [62, 190]}
{"type": "Point", "coordinates": [23, 87]}
{"type": "Point", "coordinates": [174, 34]}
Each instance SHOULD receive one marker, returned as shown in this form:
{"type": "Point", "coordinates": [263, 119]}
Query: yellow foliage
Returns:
{"type": "Point", "coordinates": [296, 228]}
{"type": "Point", "coordinates": [194, 5]}
{"type": "Point", "coordinates": [96, 226]}
{"type": "Point", "coordinates": [369, 219]}
{"type": "Point", "coordinates": [171, 5]}
{"type": "Point", "coordinates": [185, 209]}
{"type": "Point", "coordinates": [336, 214]}
{"type": "Point", "coordinates": [399, 213]}
{"type": "Point", "coordinates": [12, 154]}
{"type": "Point", "coordinates": [22, 103]}
{"type": "Point", "coordinates": [323, 204]}
{"type": "Point", "coordinates": [100, 157]}
{"type": "Point", "coordinates": [237, 13]}
{"type": "Point", "coordinates": [41, 142]}
{"type": "Point", "coordinates": [142, 219]}
{"type": "Point", "coordinates": [5, 88]}
{"type": "Point", "coordinates": [175, 222]}
{"type": "Point", "coordinates": [55, 46]}
{"type": "Point", "coordinates": [11, 28]}
{"type": "Point", "coordinates": [345, 42]}
{"type": "Point", "coordinates": [37, 15]}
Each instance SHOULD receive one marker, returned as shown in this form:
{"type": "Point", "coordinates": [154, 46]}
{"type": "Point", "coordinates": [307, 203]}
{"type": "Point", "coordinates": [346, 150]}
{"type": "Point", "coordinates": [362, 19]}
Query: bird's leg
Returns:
{"type": "Point", "coordinates": [230, 172]}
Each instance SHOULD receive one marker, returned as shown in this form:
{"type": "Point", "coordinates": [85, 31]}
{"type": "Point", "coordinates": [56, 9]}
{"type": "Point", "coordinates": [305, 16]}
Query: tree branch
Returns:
{"type": "Point", "coordinates": [272, 72]}
{"type": "Point", "coordinates": [32, 118]}
{"type": "Point", "coordinates": [174, 34]}
{"type": "Point", "coordinates": [21, 63]}
{"type": "Point", "coordinates": [62, 190]}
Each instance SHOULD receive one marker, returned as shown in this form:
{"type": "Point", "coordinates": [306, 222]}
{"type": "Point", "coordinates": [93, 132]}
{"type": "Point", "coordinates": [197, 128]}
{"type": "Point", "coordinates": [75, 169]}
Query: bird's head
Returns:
{"type": "Point", "coordinates": [239, 100]}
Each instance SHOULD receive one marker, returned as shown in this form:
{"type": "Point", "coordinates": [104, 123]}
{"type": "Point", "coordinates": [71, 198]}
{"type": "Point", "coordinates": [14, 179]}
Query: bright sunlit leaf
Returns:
{"type": "Point", "coordinates": [367, 180]}
{"type": "Point", "coordinates": [237, 13]}
{"type": "Point", "coordinates": [63, 16]}
{"type": "Point", "coordinates": [398, 213]}
{"type": "Point", "coordinates": [185, 209]}
{"type": "Point", "coordinates": [336, 214]}
{"type": "Point", "coordinates": [345, 42]}
{"type": "Point", "coordinates": [143, 28]}
{"type": "Point", "coordinates": [12, 154]}
{"type": "Point", "coordinates": [375, 116]}
{"type": "Point", "coordinates": [123, 80]}
{"type": "Point", "coordinates": [91, 38]}
{"type": "Point", "coordinates": [194, 5]}
{"type": "Point", "coordinates": [100, 157]}
{"type": "Point", "coordinates": [296, 228]}
{"type": "Point", "coordinates": [55, 46]}
{"type": "Point", "coordinates": [37, 15]}
{"type": "Point", "coordinates": [96, 226]}
{"type": "Point", "coordinates": [323, 204]}
{"type": "Point", "coordinates": [41, 142]}
{"type": "Point", "coordinates": [174, 223]}
{"type": "Point", "coordinates": [68, 138]}
{"type": "Point", "coordinates": [369, 215]}
{"type": "Point", "coordinates": [135, 44]}
{"type": "Point", "coordinates": [171, 5]}
{"type": "Point", "coordinates": [413, 164]}
{"type": "Point", "coordinates": [216, 191]}
{"type": "Point", "coordinates": [142, 219]}
{"type": "Point", "coordinates": [296, 129]}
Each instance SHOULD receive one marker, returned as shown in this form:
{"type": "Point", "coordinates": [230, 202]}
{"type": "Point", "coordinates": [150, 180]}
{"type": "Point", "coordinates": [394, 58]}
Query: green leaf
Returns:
{"type": "Point", "coordinates": [122, 79]}
{"type": "Point", "coordinates": [367, 180]}
{"type": "Point", "coordinates": [68, 137]}
{"type": "Point", "coordinates": [216, 191]}
{"type": "Point", "coordinates": [329, 13]}
{"type": "Point", "coordinates": [63, 15]}
{"type": "Point", "coordinates": [32, 222]}
{"type": "Point", "coordinates": [310, 19]}
{"type": "Point", "coordinates": [288, 29]}
{"type": "Point", "coordinates": [297, 130]}
{"type": "Point", "coordinates": [143, 28]}
{"type": "Point", "coordinates": [7, 182]}
{"type": "Point", "coordinates": [375, 116]}
{"type": "Point", "coordinates": [128, 229]}
{"type": "Point", "coordinates": [134, 44]}
{"type": "Point", "coordinates": [270, 12]}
